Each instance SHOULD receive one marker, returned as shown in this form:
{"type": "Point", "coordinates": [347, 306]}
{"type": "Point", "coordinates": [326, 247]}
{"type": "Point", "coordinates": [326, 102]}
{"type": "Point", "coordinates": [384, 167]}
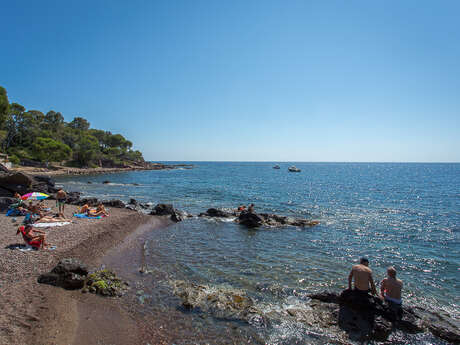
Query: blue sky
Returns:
{"type": "Point", "coordinates": [245, 80]}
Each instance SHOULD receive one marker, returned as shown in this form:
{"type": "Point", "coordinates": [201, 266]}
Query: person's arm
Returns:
{"type": "Point", "coordinates": [371, 280]}
{"type": "Point", "coordinates": [350, 279]}
{"type": "Point", "coordinates": [382, 288]}
{"type": "Point", "coordinates": [39, 231]}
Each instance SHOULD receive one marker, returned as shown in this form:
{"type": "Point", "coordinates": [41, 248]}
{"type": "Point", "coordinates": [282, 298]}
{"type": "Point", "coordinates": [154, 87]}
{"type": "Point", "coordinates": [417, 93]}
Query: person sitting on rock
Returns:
{"type": "Point", "coordinates": [391, 287]}
{"type": "Point", "coordinates": [29, 234]}
{"type": "Point", "coordinates": [362, 276]}
{"type": "Point", "coordinates": [251, 208]}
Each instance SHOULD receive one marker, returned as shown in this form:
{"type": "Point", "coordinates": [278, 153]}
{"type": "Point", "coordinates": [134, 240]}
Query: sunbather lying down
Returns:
{"type": "Point", "coordinates": [99, 211]}
{"type": "Point", "coordinates": [53, 219]}
{"type": "Point", "coordinates": [33, 237]}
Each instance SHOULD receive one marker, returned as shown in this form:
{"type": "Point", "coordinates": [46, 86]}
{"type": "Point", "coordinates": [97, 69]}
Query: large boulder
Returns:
{"type": "Point", "coordinates": [163, 210]}
{"type": "Point", "coordinates": [69, 274]}
{"type": "Point", "coordinates": [251, 220]}
{"type": "Point", "coordinates": [215, 212]}
{"type": "Point", "coordinates": [16, 182]}
{"type": "Point", "coordinates": [114, 203]}
{"type": "Point", "coordinates": [5, 203]}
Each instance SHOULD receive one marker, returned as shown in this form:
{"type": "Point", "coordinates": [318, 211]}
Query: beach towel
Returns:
{"type": "Point", "coordinates": [13, 212]}
{"type": "Point", "coordinates": [84, 215]}
{"type": "Point", "coordinates": [45, 225]}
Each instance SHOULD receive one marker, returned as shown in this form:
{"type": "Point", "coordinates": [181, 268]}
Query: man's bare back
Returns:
{"type": "Point", "coordinates": [391, 286]}
{"type": "Point", "coordinates": [362, 276]}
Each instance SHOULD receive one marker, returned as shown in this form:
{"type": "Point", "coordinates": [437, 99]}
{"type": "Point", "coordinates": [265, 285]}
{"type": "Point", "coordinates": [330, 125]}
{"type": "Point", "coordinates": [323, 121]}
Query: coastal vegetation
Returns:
{"type": "Point", "coordinates": [30, 136]}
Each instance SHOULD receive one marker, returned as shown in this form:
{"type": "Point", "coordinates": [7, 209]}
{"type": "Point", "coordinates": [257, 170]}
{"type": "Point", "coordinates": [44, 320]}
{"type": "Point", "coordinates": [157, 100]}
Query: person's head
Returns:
{"type": "Point", "coordinates": [364, 261]}
{"type": "Point", "coordinates": [17, 195]}
{"type": "Point", "coordinates": [27, 228]}
{"type": "Point", "coordinates": [391, 271]}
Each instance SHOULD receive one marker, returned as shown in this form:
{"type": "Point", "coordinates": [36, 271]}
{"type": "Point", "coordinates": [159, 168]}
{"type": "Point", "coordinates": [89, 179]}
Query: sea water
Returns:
{"type": "Point", "coordinates": [405, 215]}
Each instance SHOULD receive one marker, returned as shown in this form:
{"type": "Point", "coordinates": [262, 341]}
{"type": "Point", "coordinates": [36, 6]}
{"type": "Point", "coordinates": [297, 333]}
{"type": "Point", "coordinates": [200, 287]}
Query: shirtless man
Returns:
{"type": "Point", "coordinates": [61, 197]}
{"type": "Point", "coordinates": [362, 276]}
{"type": "Point", "coordinates": [391, 287]}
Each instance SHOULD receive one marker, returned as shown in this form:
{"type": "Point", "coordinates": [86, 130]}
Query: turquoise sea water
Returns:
{"type": "Point", "coordinates": [406, 215]}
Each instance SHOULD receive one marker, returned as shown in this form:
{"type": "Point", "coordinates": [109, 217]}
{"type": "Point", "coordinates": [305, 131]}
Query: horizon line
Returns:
{"type": "Point", "coordinates": [361, 162]}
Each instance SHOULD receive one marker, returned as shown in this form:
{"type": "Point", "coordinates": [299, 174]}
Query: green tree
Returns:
{"type": "Point", "coordinates": [79, 123]}
{"type": "Point", "coordinates": [49, 150]}
{"type": "Point", "coordinates": [86, 149]}
{"type": "Point", "coordinates": [4, 107]}
{"type": "Point", "coordinates": [54, 122]}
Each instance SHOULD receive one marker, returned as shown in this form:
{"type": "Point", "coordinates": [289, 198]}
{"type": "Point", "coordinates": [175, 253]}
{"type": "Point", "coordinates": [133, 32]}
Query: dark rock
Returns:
{"type": "Point", "coordinates": [69, 274]}
{"type": "Point", "coordinates": [106, 182]}
{"type": "Point", "coordinates": [89, 201]}
{"type": "Point", "coordinates": [326, 296]}
{"type": "Point", "coordinates": [5, 203]}
{"type": "Point", "coordinates": [176, 217]}
{"type": "Point", "coordinates": [70, 265]}
{"type": "Point", "coordinates": [105, 283]}
{"type": "Point", "coordinates": [381, 330]}
{"type": "Point", "coordinates": [133, 202]}
{"type": "Point", "coordinates": [4, 168]}
{"type": "Point", "coordinates": [163, 210]}
{"type": "Point", "coordinates": [89, 182]}
{"type": "Point", "coordinates": [16, 182]}
{"type": "Point", "coordinates": [73, 197]}
{"type": "Point", "coordinates": [114, 203]}
{"type": "Point", "coordinates": [214, 212]}
{"type": "Point", "coordinates": [251, 220]}
{"type": "Point", "coordinates": [48, 180]}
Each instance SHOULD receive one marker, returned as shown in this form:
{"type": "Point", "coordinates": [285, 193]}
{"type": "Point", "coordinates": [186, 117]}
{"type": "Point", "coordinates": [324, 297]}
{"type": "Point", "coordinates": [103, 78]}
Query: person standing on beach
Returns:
{"type": "Point", "coordinates": [362, 276]}
{"type": "Point", "coordinates": [391, 287]}
{"type": "Point", "coordinates": [61, 197]}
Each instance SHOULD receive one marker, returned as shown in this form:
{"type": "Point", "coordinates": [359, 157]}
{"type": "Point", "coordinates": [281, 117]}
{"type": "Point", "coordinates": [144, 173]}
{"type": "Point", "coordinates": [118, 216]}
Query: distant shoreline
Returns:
{"type": "Point", "coordinates": [64, 171]}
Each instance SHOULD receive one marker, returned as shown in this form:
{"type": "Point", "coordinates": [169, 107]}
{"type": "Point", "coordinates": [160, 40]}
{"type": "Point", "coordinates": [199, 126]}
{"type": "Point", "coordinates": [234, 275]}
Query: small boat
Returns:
{"type": "Point", "coordinates": [294, 169]}
{"type": "Point", "coordinates": [276, 167]}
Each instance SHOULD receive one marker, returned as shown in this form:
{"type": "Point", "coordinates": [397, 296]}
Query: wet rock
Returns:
{"type": "Point", "coordinates": [89, 182]}
{"type": "Point", "coordinates": [133, 202]}
{"type": "Point", "coordinates": [114, 203]}
{"type": "Point", "coordinates": [163, 210]}
{"type": "Point", "coordinates": [106, 182]}
{"type": "Point", "coordinates": [381, 329]}
{"type": "Point", "coordinates": [88, 201]}
{"type": "Point", "coordinates": [69, 274]}
{"type": "Point", "coordinates": [176, 217]}
{"type": "Point", "coordinates": [105, 283]}
{"type": "Point", "coordinates": [325, 296]}
{"type": "Point", "coordinates": [251, 220]}
{"type": "Point", "coordinates": [214, 212]}
{"type": "Point", "coordinates": [73, 197]}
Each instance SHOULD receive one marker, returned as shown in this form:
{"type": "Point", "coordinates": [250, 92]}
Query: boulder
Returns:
{"type": "Point", "coordinates": [105, 283]}
{"type": "Point", "coordinates": [69, 274]}
{"type": "Point", "coordinates": [83, 201]}
{"type": "Point", "coordinates": [16, 182]}
{"type": "Point", "coordinates": [133, 202]}
{"type": "Point", "coordinates": [163, 210]}
{"type": "Point", "coordinates": [73, 197]}
{"type": "Point", "coordinates": [176, 217]}
{"type": "Point", "coordinates": [106, 182]}
{"type": "Point", "coordinates": [114, 203]}
{"type": "Point", "coordinates": [46, 179]}
{"type": "Point", "coordinates": [251, 220]}
{"type": "Point", "coordinates": [5, 203]}
{"type": "Point", "coordinates": [214, 212]}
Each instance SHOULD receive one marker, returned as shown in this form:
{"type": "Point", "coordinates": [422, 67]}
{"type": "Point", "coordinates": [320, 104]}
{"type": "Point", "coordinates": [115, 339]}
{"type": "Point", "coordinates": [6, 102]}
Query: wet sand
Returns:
{"type": "Point", "coordinates": [35, 314]}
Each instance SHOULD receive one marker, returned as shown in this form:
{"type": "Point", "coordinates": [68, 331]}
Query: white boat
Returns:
{"type": "Point", "coordinates": [276, 167]}
{"type": "Point", "coordinates": [294, 169]}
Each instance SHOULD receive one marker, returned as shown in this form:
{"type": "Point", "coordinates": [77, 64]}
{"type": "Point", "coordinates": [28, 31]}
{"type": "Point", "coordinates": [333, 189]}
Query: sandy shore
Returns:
{"type": "Point", "coordinates": [33, 313]}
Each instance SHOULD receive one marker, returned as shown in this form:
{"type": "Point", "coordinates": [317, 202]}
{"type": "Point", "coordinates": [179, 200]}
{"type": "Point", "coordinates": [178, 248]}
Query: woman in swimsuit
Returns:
{"type": "Point", "coordinates": [30, 237]}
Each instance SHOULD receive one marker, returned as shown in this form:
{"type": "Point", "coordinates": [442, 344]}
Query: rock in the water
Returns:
{"type": "Point", "coordinates": [176, 217]}
{"type": "Point", "coordinates": [114, 203]}
{"type": "Point", "coordinates": [214, 212]}
{"type": "Point", "coordinates": [251, 220]}
{"type": "Point", "coordinates": [325, 296]}
{"type": "Point", "coordinates": [163, 210]}
{"type": "Point", "coordinates": [133, 202]}
{"type": "Point", "coordinates": [69, 274]}
{"type": "Point", "coordinates": [106, 182]}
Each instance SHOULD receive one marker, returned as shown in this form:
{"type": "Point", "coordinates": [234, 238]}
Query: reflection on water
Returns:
{"type": "Point", "coordinates": [405, 215]}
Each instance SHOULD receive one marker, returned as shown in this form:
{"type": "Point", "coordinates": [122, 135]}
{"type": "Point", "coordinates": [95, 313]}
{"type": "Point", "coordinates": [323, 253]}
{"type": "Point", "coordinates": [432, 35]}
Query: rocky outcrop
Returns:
{"type": "Point", "coordinates": [254, 220]}
{"type": "Point", "coordinates": [12, 182]}
{"type": "Point", "coordinates": [114, 203]}
{"type": "Point", "coordinates": [167, 210]}
{"type": "Point", "coordinates": [5, 203]}
{"type": "Point", "coordinates": [251, 220]}
{"type": "Point", "coordinates": [366, 317]}
{"type": "Point", "coordinates": [215, 212]}
{"type": "Point", "coordinates": [69, 274]}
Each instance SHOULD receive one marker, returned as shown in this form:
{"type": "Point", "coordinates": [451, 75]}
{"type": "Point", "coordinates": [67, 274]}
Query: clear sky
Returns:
{"type": "Point", "coordinates": [246, 80]}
